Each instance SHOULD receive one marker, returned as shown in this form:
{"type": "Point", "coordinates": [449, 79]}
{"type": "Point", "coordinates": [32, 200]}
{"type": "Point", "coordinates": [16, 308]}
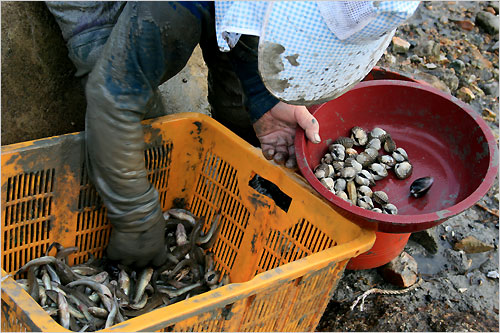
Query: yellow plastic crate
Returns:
{"type": "Point", "coordinates": [284, 257]}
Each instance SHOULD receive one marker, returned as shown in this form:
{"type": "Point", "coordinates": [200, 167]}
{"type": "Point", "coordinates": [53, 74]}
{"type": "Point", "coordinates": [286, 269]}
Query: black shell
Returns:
{"type": "Point", "coordinates": [420, 186]}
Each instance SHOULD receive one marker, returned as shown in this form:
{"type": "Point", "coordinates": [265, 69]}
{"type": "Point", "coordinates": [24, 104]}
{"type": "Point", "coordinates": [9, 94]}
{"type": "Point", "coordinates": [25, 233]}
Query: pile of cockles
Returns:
{"type": "Point", "coordinates": [353, 165]}
{"type": "Point", "coordinates": [98, 293]}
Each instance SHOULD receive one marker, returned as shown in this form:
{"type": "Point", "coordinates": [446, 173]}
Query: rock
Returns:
{"type": "Point", "coordinates": [490, 89]}
{"type": "Point", "coordinates": [431, 66]}
{"type": "Point", "coordinates": [491, 10]}
{"type": "Point", "coordinates": [444, 19]}
{"type": "Point", "coordinates": [427, 238]}
{"type": "Point", "coordinates": [401, 271]}
{"type": "Point", "coordinates": [458, 259]}
{"type": "Point", "coordinates": [465, 94]}
{"type": "Point", "coordinates": [390, 58]}
{"type": "Point", "coordinates": [494, 5]}
{"type": "Point", "coordinates": [433, 81]}
{"type": "Point", "coordinates": [493, 275]}
{"type": "Point", "coordinates": [399, 45]}
{"type": "Point", "coordinates": [458, 65]}
{"type": "Point", "coordinates": [488, 22]}
{"type": "Point", "coordinates": [485, 75]}
{"type": "Point", "coordinates": [428, 48]}
{"type": "Point", "coordinates": [476, 90]}
{"type": "Point", "coordinates": [465, 24]}
{"type": "Point", "coordinates": [451, 80]}
{"type": "Point", "coordinates": [470, 244]}
{"type": "Point", "coordinates": [416, 59]}
{"type": "Point", "coordinates": [494, 47]}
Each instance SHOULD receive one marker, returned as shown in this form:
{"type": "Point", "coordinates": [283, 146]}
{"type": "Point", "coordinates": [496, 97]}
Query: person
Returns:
{"type": "Point", "coordinates": [266, 62]}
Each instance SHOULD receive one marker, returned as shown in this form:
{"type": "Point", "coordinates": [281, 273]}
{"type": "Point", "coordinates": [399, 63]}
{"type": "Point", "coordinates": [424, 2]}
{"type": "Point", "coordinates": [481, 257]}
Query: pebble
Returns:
{"type": "Point", "coordinates": [493, 275]}
{"type": "Point", "coordinates": [427, 238]}
{"type": "Point", "coordinates": [401, 271]}
{"type": "Point", "coordinates": [399, 45]}
{"type": "Point", "coordinates": [488, 22]}
{"type": "Point", "coordinates": [390, 59]}
{"type": "Point", "coordinates": [451, 80]}
{"type": "Point", "coordinates": [416, 59]}
{"type": "Point", "coordinates": [459, 260]}
{"type": "Point", "coordinates": [458, 65]}
{"type": "Point", "coordinates": [427, 48]}
{"type": "Point", "coordinates": [431, 66]}
{"type": "Point", "coordinates": [494, 47]}
{"type": "Point", "coordinates": [465, 94]}
{"type": "Point", "coordinates": [490, 89]}
{"type": "Point", "coordinates": [494, 5]}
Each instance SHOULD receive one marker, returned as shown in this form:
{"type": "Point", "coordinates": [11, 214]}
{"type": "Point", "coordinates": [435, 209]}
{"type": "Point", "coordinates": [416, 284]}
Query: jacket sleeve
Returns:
{"type": "Point", "coordinates": [244, 57]}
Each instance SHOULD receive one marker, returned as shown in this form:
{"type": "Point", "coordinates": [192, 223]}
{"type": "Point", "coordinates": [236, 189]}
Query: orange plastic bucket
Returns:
{"type": "Point", "coordinates": [387, 246]}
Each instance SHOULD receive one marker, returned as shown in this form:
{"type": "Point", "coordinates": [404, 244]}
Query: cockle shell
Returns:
{"type": "Point", "coordinates": [378, 171]}
{"type": "Point", "coordinates": [348, 173]}
{"type": "Point", "coordinates": [374, 143]}
{"type": "Point", "coordinates": [403, 170]}
{"type": "Point", "coordinates": [400, 155]}
{"type": "Point", "coordinates": [364, 159]}
{"type": "Point", "coordinates": [372, 152]}
{"type": "Point", "coordinates": [337, 151]}
{"type": "Point", "coordinates": [380, 197]}
{"type": "Point", "coordinates": [351, 152]}
{"type": "Point", "coordinates": [387, 160]}
{"type": "Point", "coordinates": [365, 202]}
{"type": "Point", "coordinates": [365, 191]}
{"type": "Point", "coordinates": [345, 141]}
{"type": "Point", "coordinates": [351, 162]}
{"type": "Point", "coordinates": [390, 209]}
{"type": "Point", "coordinates": [324, 170]}
{"type": "Point", "coordinates": [364, 177]}
{"type": "Point", "coordinates": [338, 165]}
{"type": "Point", "coordinates": [359, 136]}
{"type": "Point", "coordinates": [340, 185]}
{"type": "Point", "coordinates": [377, 132]}
{"type": "Point", "coordinates": [342, 195]}
{"type": "Point", "coordinates": [328, 159]}
{"type": "Point", "coordinates": [328, 182]}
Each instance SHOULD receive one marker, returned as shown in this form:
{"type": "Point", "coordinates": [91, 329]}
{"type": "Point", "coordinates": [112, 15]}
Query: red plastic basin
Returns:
{"type": "Point", "coordinates": [443, 137]}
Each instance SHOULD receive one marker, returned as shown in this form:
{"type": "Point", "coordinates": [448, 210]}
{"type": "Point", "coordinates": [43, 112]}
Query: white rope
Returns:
{"type": "Point", "coordinates": [384, 292]}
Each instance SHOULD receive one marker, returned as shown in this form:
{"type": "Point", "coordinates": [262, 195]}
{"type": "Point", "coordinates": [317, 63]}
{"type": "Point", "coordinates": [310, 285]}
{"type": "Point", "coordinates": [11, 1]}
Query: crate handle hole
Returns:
{"type": "Point", "coordinates": [270, 190]}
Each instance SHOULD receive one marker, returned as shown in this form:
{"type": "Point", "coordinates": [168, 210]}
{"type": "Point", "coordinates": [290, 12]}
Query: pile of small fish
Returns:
{"type": "Point", "coordinates": [99, 293]}
{"type": "Point", "coordinates": [350, 175]}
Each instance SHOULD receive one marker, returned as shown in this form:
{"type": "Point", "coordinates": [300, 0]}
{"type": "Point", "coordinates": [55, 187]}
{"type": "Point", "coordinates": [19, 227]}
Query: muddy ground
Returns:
{"type": "Point", "coordinates": [452, 48]}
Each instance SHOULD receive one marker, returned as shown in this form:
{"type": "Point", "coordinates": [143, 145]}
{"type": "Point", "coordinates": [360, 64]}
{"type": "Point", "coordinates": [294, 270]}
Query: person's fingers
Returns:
{"type": "Point", "coordinates": [280, 158]}
{"type": "Point", "coordinates": [291, 163]}
{"type": "Point", "coordinates": [268, 153]}
{"type": "Point", "coordinates": [307, 121]}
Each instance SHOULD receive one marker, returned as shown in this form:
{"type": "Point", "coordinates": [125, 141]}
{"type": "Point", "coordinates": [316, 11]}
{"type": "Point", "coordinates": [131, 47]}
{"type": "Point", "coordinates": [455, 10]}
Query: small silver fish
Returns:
{"type": "Point", "coordinates": [182, 214]}
{"type": "Point", "coordinates": [142, 282]}
{"type": "Point", "coordinates": [124, 282]}
{"type": "Point", "coordinates": [64, 315]}
{"type": "Point", "coordinates": [178, 292]}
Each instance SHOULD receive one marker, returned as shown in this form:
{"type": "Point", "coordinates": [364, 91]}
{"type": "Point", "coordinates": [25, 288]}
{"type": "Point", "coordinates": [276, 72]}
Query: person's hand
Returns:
{"type": "Point", "coordinates": [276, 132]}
{"type": "Point", "coordinates": [138, 249]}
